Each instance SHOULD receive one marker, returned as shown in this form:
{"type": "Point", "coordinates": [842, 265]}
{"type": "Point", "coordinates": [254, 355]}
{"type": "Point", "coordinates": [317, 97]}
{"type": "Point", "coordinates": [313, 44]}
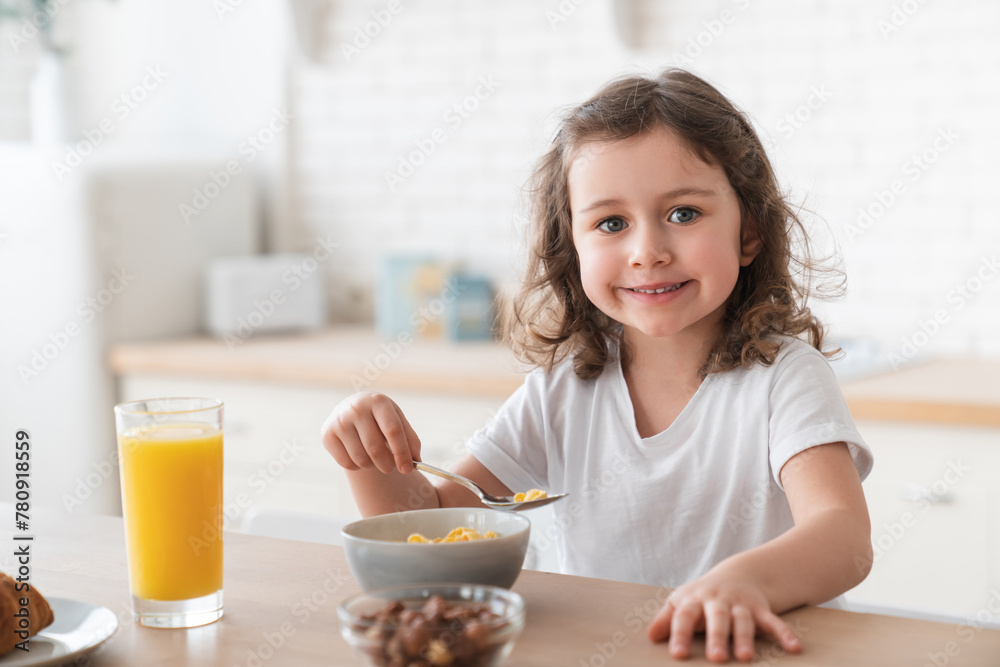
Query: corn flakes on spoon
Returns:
{"type": "Point", "coordinates": [496, 502]}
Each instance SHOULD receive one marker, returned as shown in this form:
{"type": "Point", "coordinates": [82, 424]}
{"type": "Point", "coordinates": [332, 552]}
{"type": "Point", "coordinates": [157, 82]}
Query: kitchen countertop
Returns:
{"type": "Point", "coordinates": [281, 598]}
{"type": "Point", "coordinates": [955, 391]}
{"type": "Point", "coordinates": [331, 357]}
{"type": "Point", "coordinates": [950, 391]}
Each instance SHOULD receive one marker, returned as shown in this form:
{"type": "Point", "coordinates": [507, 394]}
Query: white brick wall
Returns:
{"type": "Point", "coordinates": [889, 97]}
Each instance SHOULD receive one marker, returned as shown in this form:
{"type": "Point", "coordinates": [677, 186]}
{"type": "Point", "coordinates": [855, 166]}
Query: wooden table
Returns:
{"type": "Point", "coordinates": [281, 599]}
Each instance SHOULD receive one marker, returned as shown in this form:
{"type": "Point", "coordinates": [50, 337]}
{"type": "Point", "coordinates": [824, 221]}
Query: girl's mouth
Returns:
{"type": "Point", "coordinates": [661, 290]}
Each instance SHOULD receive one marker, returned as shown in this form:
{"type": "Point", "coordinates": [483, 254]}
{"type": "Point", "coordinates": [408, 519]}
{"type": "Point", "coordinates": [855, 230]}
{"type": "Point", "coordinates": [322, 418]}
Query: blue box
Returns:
{"type": "Point", "coordinates": [409, 296]}
{"type": "Point", "coordinates": [470, 314]}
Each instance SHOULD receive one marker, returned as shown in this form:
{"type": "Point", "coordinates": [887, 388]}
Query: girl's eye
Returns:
{"type": "Point", "coordinates": [684, 215]}
{"type": "Point", "coordinates": [611, 225]}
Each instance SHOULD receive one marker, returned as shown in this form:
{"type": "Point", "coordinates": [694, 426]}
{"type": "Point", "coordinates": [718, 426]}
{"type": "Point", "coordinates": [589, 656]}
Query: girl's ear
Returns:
{"type": "Point", "coordinates": [750, 245]}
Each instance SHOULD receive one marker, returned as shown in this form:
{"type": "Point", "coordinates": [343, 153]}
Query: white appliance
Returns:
{"type": "Point", "coordinates": [245, 296]}
{"type": "Point", "coordinates": [90, 257]}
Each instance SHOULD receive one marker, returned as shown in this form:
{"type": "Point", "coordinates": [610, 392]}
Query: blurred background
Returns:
{"type": "Point", "coordinates": [280, 202]}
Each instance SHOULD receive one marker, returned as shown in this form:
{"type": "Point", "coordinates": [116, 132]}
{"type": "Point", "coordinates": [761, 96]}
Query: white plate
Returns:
{"type": "Point", "coordinates": [77, 628]}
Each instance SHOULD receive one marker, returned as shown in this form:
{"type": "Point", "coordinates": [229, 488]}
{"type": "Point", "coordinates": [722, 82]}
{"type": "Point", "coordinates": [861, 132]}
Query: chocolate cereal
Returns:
{"type": "Point", "coordinates": [439, 634]}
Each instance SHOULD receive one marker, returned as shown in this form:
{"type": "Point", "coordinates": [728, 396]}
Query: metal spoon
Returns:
{"type": "Point", "coordinates": [496, 502]}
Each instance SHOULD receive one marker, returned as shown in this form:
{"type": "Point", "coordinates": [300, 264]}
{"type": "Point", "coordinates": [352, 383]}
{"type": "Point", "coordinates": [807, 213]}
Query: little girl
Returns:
{"type": "Point", "coordinates": [680, 396]}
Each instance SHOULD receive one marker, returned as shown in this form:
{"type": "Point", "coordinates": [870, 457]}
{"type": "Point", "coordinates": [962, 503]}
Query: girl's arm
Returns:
{"type": "Point", "coordinates": [370, 438]}
{"type": "Point", "coordinates": [827, 552]}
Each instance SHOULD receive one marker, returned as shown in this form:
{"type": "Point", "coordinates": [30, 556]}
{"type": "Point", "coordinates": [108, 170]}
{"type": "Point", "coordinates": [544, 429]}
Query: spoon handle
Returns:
{"type": "Point", "coordinates": [458, 479]}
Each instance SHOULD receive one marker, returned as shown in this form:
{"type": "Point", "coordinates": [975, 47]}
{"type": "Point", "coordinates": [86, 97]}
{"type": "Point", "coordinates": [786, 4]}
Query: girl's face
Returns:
{"type": "Point", "coordinates": [657, 232]}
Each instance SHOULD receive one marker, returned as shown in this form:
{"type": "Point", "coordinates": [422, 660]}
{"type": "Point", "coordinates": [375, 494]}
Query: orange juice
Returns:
{"type": "Point", "coordinates": [172, 497]}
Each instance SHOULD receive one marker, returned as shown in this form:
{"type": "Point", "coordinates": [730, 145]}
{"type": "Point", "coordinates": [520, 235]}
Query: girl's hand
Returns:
{"type": "Point", "coordinates": [721, 608]}
{"type": "Point", "coordinates": [368, 430]}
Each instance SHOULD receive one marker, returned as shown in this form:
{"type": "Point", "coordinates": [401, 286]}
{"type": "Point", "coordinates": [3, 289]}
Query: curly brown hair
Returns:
{"type": "Point", "coordinates": [551, 317]}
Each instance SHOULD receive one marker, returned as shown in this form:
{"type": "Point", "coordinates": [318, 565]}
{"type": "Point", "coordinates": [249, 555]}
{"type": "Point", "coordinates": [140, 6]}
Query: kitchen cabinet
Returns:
{"type": "Point", "coordinates": [934, 501]}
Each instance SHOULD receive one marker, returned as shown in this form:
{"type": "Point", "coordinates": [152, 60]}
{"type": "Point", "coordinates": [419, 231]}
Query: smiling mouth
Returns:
{"type": "Point", "coordinates": [661, 290]}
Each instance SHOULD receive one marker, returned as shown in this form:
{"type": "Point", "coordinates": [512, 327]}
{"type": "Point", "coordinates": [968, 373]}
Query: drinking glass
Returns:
{"type": "Point", "coordinates": [170, 456]}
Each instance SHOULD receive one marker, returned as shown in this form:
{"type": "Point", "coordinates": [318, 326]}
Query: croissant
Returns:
{"type": "Point", "coordinates": [39, 613]}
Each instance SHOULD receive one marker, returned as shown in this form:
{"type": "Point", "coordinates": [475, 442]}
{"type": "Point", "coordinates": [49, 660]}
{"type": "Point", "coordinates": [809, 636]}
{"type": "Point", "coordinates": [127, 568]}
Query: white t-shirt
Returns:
{"type": "Point", "coordinates": [663, 510]}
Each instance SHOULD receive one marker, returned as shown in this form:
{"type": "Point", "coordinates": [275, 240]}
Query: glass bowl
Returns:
{"type": "Point", "coordinates": [458, 625]}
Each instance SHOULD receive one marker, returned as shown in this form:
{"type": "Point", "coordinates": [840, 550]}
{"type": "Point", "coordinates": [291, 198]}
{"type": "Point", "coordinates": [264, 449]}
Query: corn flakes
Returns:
{"type": "Point", "coordinates": [460, 534]}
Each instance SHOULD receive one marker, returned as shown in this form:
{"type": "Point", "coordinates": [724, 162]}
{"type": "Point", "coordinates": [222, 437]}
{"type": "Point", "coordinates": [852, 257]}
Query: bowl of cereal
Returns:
{"type": "Point", "coordinates": [465, 545]}
{"type": "Point", "coordinates": [459, 625]}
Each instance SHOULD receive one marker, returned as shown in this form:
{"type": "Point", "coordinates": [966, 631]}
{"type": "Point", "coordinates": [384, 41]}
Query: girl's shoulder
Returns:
{"type": "Point", "coordinates": [793, 348]}
{"type": "Point", "coordinates": [795, 358]}
{"type": "Point", "coordinates": [799, 361]}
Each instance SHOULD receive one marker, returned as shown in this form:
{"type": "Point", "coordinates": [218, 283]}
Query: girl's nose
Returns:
{"type": "Point", "coordinates": [650, 246]}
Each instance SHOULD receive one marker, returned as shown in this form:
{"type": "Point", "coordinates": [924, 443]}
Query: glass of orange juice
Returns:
{"type": "Point", "coordinates": [170, 456]}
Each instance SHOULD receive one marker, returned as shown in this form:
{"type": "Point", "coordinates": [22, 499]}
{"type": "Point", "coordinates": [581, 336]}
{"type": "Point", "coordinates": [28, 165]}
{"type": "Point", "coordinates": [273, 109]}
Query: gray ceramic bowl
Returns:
{"type": "Point", "coordinates": [379, 555]}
